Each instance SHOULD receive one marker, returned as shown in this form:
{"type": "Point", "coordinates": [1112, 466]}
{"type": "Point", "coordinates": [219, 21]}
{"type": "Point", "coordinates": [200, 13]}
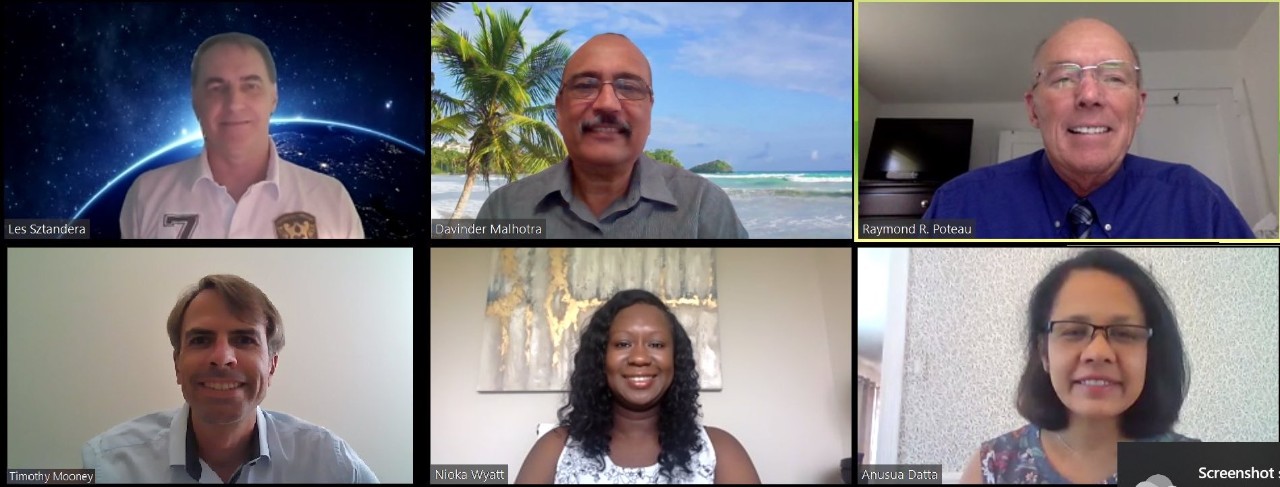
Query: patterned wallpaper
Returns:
{"type": "Point", "coordinates": [964, 350]}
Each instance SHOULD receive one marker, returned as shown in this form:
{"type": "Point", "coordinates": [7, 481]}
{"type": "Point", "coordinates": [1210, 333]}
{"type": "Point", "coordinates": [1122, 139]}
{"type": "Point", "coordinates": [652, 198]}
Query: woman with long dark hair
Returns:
{"type": "Point", "coordinates": [632, 413]}
{"type": "Point", "coordinates": [1104, 365]}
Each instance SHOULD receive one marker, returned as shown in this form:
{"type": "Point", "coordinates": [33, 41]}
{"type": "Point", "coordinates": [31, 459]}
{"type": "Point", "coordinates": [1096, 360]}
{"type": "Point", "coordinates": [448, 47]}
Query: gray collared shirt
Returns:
{"type": "Point", "coordinates": [662, 201]}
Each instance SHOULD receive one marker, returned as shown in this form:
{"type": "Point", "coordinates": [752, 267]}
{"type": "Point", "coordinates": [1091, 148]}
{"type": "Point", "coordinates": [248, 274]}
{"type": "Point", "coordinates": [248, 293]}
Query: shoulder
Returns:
{"type": "Point", "coordinates": [1173, 437]}
{"type": "Point", "coordinates": [988, 190]}
{"type": "Point", "coordinates": [1014, 171]}
{"type": "Point", "coordinates": [312, 447]}
{"type": "Point", "coordinates": [1015, 439]}
{"type": "Point", "coordinates": [178, 174]}
{"type": "Point", "coordinates": [142, 431]}
{"type": "Point", "coordinates": [308, 180]}
{"type": "Point", "coordinates": [1170, 174]}
{"type": "Point", "coordinates": [134, 451]}
{"type": "Point", "coordinates": [521, 195]}
{"type": "Point", "coordinates": [733, 464]}
{"type": "Point", "coordinates": [540, 465]}
{"type": "Point", "coordinates": [1010, 457]}
{"type": "Point", "coordinates": [534, 185]}
{"type": "Point", "coordinates": [290, 427]}
{"type": "Point", "coordinates": [684, 181]}
{"type": "Point", "coordinates": [721, 437]}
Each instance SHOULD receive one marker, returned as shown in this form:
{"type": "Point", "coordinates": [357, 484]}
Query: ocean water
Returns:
{"type": "Point", "coordinates": [771, 204]}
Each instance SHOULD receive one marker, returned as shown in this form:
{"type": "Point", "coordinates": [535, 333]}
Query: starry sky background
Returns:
{"type": "Point", "coordinates": [89, 88]}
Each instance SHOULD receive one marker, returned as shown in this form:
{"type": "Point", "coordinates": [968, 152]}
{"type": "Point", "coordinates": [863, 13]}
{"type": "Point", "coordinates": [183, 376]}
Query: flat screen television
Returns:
{"type": "Point", "coordinates": [918, 149]}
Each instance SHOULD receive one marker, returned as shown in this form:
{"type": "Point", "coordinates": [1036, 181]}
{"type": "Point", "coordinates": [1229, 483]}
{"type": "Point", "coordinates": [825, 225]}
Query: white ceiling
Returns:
{"type": "Point", "coordinates": [980, 52]}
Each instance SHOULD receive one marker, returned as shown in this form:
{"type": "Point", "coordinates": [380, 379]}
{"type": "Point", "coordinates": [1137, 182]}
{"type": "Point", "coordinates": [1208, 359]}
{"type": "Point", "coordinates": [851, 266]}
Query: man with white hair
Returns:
{"type": "Point", "coordinates": [1087, 100]}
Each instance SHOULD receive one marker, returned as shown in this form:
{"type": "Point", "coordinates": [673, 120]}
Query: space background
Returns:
{"type": "Point", "coordinates": [91, 89]}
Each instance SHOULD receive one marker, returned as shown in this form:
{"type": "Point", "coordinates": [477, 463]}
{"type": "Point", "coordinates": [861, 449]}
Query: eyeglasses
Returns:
{"type": "Point", "coordinates": [586, 87]}
{"type": "Point", "coordinates": [1079, 333]}
{"type": "Point", "coordinates": [1114, 74]}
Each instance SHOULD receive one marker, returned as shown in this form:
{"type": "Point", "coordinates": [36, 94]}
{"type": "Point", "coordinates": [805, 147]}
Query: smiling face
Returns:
{"type": "Point", "coordinates": [1068, 118]}
{"type": "Point", "coordinates": [606, 130]}
{"type": "Point", "coordinates": [223, 364]}
{"type": "Point", "coordinates": [639, 358]}
{"type": "Point", "coordinates": [1103, 299]}
{"type": "Point", "coordinates": [233, 97]}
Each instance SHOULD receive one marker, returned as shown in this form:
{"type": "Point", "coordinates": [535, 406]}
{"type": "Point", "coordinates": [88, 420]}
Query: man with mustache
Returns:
{"type": "Point", "coordinates": [607, 187]}
{"type": "Point", "coordinates": [1087, 100]}
{"type": "Point", "coordinates": [239, 186]}
{"type": "Point", "coordinates": [226, 337]}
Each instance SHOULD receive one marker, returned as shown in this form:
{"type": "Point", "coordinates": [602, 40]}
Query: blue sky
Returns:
{"type": "Point", "coordinates": [764, 86]}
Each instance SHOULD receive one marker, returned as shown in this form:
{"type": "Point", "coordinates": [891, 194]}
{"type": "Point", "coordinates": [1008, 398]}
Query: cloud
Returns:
{"type": "Point", "coordinates": [814, 156]}
{"type": "Point", "coordinates": [780, 51]}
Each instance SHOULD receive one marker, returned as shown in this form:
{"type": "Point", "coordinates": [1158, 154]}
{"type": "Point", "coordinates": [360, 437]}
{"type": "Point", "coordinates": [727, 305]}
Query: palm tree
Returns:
{"type": "Point", "coordinates": [507, 97]}
{"type": "Point", "coordinates": [440, 10]}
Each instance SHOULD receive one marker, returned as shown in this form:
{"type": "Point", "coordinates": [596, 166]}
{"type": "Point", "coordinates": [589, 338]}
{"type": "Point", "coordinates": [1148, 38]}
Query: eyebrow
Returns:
{"type": "Point", "coordinates": [1114, 318]}
{"type": "Point", "coordinates": [243, 79]}
{"type": "Point", "coordinates": [1078, 63]}
{"type": "Point", "coordinates": [195, 332]}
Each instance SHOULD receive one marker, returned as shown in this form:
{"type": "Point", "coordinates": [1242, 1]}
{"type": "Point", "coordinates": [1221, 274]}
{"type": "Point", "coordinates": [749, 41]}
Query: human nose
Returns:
{"type": "Point", "coordinates": [607, 102]}
{"type": "Point", "coordinates": [222, 354]}
{"type": "Point", "coordinates": [1098, 347]}
{"type": "Point", "coordinates": [639, 356]}
{"type": "Point", "coordinates": [235, 98]}
{"type": "Point", "coordinates": [1090, 93]}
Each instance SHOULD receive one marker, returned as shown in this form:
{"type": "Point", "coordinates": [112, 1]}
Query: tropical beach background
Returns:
{"type": "Point", "coordinates": [763, 89]}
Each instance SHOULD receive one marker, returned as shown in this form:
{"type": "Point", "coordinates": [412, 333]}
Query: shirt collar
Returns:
{"type": "Point", "coordinates": [183, 446]}
{"type": "Point", "coordinates": [646, 182]}
{"type": "Point", "coordinates": [203, 173]}
{"type": "Point", "coordinates": [1106, 200]}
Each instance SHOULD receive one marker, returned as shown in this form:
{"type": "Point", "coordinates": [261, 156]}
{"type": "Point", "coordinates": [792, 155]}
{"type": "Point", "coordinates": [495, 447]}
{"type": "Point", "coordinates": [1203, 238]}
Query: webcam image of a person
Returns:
{"type": "Point", "coordinates": [1086, 97]}
{"type": "Point", "coordinates": [226, 337]}
{"type": "Point", "coordinates": [608, 187]}
{"type": "Point", "coordinates": [239, 186]}
{"type": "Point", "coordinates": [1105, 364]}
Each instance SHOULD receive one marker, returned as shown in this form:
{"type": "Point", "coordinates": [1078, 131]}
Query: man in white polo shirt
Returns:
{"type": "Point", "coordinates": [238, 187]}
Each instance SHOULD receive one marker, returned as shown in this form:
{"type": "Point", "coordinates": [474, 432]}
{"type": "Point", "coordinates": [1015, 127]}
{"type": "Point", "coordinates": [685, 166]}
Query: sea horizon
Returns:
{"type": "Point", "coordinates": [770, 204]}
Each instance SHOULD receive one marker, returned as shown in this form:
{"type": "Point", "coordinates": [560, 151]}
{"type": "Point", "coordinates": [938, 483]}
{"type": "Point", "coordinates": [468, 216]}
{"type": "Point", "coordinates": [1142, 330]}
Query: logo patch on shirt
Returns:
{"type": "Point", "coordinates": [186, 223]}
{"type": "Point", "coordinates": [298, 224]}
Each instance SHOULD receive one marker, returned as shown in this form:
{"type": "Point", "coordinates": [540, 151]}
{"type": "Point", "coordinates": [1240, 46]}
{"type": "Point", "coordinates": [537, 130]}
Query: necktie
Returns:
{"type": "Point", "coordinates": [1081, 218]}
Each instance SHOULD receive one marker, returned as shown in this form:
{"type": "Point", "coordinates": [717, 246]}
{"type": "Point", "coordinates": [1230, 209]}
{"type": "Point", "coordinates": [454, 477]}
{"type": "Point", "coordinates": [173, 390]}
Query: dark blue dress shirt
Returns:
{"type": "Point", "coordinates": [1025, 198]}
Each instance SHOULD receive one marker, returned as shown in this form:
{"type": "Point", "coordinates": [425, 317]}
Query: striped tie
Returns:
{"type": "Point", "coordinates": [1081, 217]}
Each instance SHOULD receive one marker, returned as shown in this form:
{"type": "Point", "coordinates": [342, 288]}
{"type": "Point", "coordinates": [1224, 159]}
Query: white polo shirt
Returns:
{"type": "Point", "coordinates": [183, 201]}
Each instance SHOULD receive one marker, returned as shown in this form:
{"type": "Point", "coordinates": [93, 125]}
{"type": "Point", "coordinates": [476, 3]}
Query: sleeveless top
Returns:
{"type": "Point", "coordinates": [575, 467]}
{"type": "Point", "coordinates": [1016, 457]}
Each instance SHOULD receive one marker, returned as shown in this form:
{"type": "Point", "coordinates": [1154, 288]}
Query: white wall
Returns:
{"type": "Point", "coordinates": [1261, 81]}
{"type": "Point", "coordinates": [87, 346]}
{"type": "Point", "coordinates": [786, 359]}
{"type": "Point", "coordinates": [965, 341]}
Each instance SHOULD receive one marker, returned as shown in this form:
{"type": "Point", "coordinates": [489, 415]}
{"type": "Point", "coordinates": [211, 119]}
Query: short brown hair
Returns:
{"type": "Point", "coordinates": [245, 301]}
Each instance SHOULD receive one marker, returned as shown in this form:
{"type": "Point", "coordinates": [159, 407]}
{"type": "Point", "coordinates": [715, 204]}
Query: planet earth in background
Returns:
{"type": "Point", "coordinates": [385, 176]}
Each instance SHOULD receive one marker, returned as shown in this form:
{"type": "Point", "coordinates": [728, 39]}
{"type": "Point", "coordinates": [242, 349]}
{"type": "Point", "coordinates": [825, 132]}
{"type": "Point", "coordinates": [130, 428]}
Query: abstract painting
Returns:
{"type": "Point", "coordinates": [540, 300]}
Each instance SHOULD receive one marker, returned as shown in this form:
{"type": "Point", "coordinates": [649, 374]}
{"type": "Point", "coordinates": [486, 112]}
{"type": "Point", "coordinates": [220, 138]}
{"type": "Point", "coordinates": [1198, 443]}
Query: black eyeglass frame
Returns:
{"type": "Point", "coordinates": [1048, 329]}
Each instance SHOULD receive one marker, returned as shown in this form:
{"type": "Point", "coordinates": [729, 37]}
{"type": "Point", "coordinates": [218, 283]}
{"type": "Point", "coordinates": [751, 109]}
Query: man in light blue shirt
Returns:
{"type": "Point", "coordinates": [226, 337]}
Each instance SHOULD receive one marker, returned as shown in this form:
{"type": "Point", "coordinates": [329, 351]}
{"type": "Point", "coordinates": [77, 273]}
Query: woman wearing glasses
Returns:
{"type": "Point", "coordinates": [1104, 364]}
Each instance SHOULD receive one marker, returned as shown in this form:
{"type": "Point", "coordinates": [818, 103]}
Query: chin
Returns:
{"type": "Point", "coordinates": [1092, 161]}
